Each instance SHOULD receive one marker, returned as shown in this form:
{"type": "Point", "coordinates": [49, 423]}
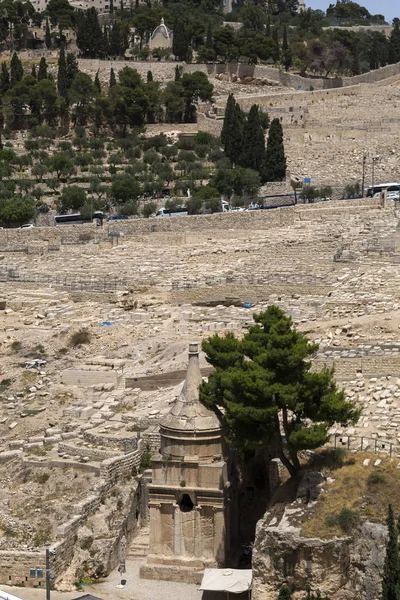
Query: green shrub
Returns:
{"type": "Point", "coordinates": [80, 337]}
{"type": "Point", "coordinates": [376, 477]}
{"type": "Point", "coordinates": [16, 346]}
{"type": "Point", "coordinates": [42, 477]}
{"type": "Point", "coordinates": [86, 542]}
{"type": "Point", "coordinates": [347, 520]}
{"type": "Point", "coordinates": [42, 536]}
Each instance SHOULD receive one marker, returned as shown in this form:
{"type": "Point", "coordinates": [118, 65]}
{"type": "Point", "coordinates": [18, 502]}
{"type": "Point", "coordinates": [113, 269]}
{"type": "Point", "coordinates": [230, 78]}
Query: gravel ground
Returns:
{"type": "Point", "coordinates": [135, 589]}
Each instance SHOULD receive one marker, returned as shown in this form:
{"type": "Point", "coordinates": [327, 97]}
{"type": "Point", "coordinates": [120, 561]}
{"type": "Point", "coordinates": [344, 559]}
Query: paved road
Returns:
{"type": "Point", "coordinates": [135, 589]}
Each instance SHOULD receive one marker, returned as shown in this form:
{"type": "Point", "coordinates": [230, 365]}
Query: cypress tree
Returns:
{"type": "Point", "coordinates": [275, 49]}
{"type": "Point", "coordinates": [111, 6]}
{"type": "Point", "coordinates": [391, 567]}
{"type": "Point", "coordinates": [178, 73]}
{"type": "Point", "coordinates": [232, 130]}
{"type": "Point", "coordinates": [274, 168]}
{"type": "Point", "coordinates": [394, 44]}
{"type": "Point", "coordinates": [4, 78]}
{"type": "Point", "coordinates": [180, 45]}
{"type": "Point", "coordinates": [209, 37]}
{"type": "Point", "coordinates": [33, 72]}
{"type": "Point", "coordinates": [228, 118]}
{"type": "Point", "coordinates": [62, 73]}
{"type": "Point", "coordinates": [16, 70]}
{"type": "Point", "coordinates": [149, 76]}
{"type": "Point", "coordinates": [71, 68]}
{"type": "Point", "coordinates": [106, 42]}
{"type": "Point", "coordinates": [42, 73]}
{"type": "Point", "coordinates": [97, 84]}
{"type": "Point", "coordinates": [253, 142]}
{"type": "Point", "coordinates": [113, 81]}
{"type": "Point", "coordinates": [47, 36]}
{"type": "Point", "coordinates": [268, 27]}
{"type": "Point", "coordinates": [287, 58]}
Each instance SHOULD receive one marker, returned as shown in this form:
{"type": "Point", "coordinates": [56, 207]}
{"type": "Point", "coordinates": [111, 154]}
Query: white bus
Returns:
{"type": "Point", "coordinates": [178, 211]}
{"type": "Point", "coordinates": [381, 187]}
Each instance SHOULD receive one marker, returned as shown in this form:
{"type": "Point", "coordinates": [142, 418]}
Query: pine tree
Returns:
{"type": "Point", "coordinates": [274, 168]}
{"type": "Point", "coordinates": [113, 81]}
{"type": "Point", "coordinates": [47, 36]}
{"type": "Point", "coordinates": [391, 567]}
{"type": "Point", "coordinates": [97, 84]}
{"type": "Point", "coordinates": [4, 78]}
{"type": "Point", "coordinates": [111, 6]}
{"type": "Point", "coordinates": [252, 154]}
{"type": "Point", "coordinates": [180, 45]}
{"type": "Point", "coordinates": [16, 70]}
{"type": "Point", "coordinates": [209, 37]}
{"type": "Point", "coordinates": [33, 72]}
{"type": "Point", "coordinates": [62, 73]}
{"type": "Point", "coordinates": [394, 44]}
{"type": "Point", "coordinates": [275, 50]}
{"type": "Point", "coordinates": [42, 73]}
{"type": "Point", "coordinates": [149, 76]}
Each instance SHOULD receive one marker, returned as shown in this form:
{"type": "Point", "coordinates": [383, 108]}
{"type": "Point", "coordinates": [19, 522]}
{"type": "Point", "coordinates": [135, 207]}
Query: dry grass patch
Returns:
{"type": "Point", "coordinates": [357, 491]}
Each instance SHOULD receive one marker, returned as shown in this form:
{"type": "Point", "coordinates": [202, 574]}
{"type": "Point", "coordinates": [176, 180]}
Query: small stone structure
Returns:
{"type": "Point", "coordinates": [161, 37]}
{"type": "Point", "coordinates": [188, 493]}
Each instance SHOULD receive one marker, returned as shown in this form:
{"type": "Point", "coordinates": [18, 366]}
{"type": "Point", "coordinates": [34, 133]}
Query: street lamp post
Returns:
{"type": "Point", "coordinates": [49, 552]}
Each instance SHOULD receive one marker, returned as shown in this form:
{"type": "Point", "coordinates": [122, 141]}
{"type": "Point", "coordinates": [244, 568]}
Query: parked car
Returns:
{"type": "Point", "coordinates": [27, 226]}
{"type": "Point", "coordinates": [117, 218]}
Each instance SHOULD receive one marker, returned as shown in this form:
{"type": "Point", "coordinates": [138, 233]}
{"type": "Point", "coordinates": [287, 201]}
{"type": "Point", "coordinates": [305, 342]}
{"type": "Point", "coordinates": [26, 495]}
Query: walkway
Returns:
{"type": "Point", "coordinates": [136, 589]}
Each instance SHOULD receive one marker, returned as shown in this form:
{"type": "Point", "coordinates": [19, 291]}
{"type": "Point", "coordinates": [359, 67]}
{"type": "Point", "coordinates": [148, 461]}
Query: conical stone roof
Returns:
{"type": "Point", "coordinates": [188, 414]}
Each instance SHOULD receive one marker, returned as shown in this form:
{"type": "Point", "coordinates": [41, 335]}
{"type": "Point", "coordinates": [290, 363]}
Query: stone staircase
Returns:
{"type": "Point", "coordinates": [139, 548]}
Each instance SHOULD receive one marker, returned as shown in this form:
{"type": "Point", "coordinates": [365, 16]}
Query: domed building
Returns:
{"type": "Point", "coordinates": [190, 490]}
{"type": "Point", "coordinates": [161, 37]}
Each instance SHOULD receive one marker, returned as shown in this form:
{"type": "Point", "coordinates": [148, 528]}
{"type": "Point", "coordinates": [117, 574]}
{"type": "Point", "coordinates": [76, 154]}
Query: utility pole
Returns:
{"type": "Point", "coordinates": [49, 552]}
{"type": "Point", "coordinates": [363, 175]}
{"type": "Point", "coordinates": [47, 574]}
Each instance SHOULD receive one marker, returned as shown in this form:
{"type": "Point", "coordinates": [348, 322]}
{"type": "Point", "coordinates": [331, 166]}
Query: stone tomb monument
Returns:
{"type": "Point", "coordinates": [189, 489]}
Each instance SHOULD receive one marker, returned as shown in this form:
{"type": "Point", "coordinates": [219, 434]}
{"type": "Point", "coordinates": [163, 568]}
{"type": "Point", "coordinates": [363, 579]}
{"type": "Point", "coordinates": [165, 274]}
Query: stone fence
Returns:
{"type": "Point", "coordinates": [165, 71]}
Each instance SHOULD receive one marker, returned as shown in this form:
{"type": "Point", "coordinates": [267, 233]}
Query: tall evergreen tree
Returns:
{"type": "Point", "coordinates": [391, 567]}
{"type": "Point", "coordinates": [268, 27]}
{"type": "Point", "coordinates": [62, 72]}
{"type": "Point", "coordinates": [72, 69]}
{"type": "Point", "coordinates": [149, 76]}
{"type": "Point", "coordinates": [275, 48]}
{"type": "Point", "coordinates": [232, 130]}
{"type": "Point", "coordinates": [16, 70]}
{"type": "Point", "coordinates": [106, 41]}
{"type": "Point", "coordinates": [178, 73]}
{"type": "Point", "coordinates": [180, 44]}
{"type": "Point", "coordinates": [274, 168]}
{"type": "Point", "coordinates": [47, 35]}
{"type": "Point", "coordinates": [89, 37]}
{"type": "Point", "coordinates": [113, 80]}
{"type": "Point", "coordinates": [252, 154]}
{"type": "Point", "coordinates": [287, 58]}
{"type": "Point", "coordinates": [33, 72]}
{"type": "Point", "coordinates": [394, 43]}
{"type": "Point", "coordinates": [97, 83]}
{"type": "Point", "coordinates": [111, 6]}
{"type": "Point", "coordinates": [4, 78]}
{"type": "Point", "coordinates": [209, 37]}
{"type": "Point", "coordinates": [42, 73]}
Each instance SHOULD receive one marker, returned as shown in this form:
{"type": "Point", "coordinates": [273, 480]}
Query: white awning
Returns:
{"type": "Point", "coordinates": [7, 596]}
{"type": "Point", "coordinates": [234, 581]}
